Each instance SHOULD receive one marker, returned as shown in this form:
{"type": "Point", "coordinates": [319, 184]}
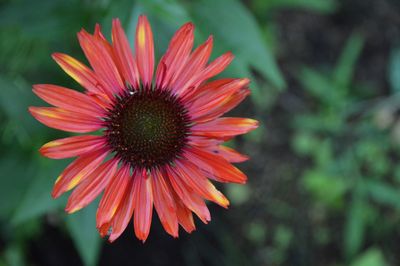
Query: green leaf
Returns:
{"type": "Point", "coordinates": [356, 223]}
{"type": "Point", "coordinates": [324, 6]}
{"type": "Point", "coordinates": [82, 228]}
{"type": "Point", "coordinates": [371, 257]}
{"type": "Point", "coordinates": [383, 193]}
{"type": "Point", "coordinates": [345, 66]}
{"type": "Point", "coordinates": [37, 199]}
{"type": "Point", "coordinates": [232, 24]}
{"type": "Point", "coordinates": [394, 70]}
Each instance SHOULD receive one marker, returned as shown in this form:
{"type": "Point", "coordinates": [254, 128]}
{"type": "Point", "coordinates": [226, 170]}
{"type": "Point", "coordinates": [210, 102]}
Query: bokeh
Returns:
{"type": "Point", "coordinates": [324, 178]}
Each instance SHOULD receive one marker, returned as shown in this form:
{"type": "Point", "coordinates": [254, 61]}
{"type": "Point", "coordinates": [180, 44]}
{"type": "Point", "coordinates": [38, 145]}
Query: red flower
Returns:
{"type": "Point", "coordinates": [161, 140]}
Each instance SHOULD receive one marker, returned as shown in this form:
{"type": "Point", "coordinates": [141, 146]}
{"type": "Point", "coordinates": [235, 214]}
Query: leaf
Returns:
{"type": "Point", "coordinates": [383, 193]}
{"type": "Point", "coordinates": [394, 70]}
{"type": "Point", "coordinates": [345, 66]}
{"type": "Point", "coordinates": [37, 198]}
{"type": "Point", "coordinates": [325, 6]}
{"type": "Point", "coordinates": [82, 228]}
{"type": "Point", "coordinates": [356, 223]}
{"type": "Point", "coordinates": [371, 257]}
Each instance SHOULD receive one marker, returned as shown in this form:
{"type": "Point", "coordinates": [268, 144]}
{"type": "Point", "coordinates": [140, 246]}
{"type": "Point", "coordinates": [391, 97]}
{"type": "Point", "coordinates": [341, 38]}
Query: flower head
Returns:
{"type": "Point", "coordinates": [160, 138]}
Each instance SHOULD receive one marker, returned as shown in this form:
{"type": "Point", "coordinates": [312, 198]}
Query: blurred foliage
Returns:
{"type": "Point", "coordinates": [347, 137]}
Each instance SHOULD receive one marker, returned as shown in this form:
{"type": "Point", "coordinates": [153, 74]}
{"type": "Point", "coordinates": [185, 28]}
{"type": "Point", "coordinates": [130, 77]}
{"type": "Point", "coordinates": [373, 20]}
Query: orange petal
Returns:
{"type": "Point", "coordinates": [194, 179]}
{"type": "Point", "coordinates": [80, 73]}
{"type": "Point", "coordinates": [224, 127]}
{"type": "Point", "coordinates": [65, 120]}
{"type": "Point", "coordinates": [172, 63]}
{"type": "Point", "coordinates": [144, 47]}
{"type": "Point", "coordinates": [215, 166]}
{"type": "Point", "coordinates": [68, 99]}
{"type": "Point", "coordinates": [125, 210]}
{"type": "Point", "coordinates": [190, 199]}
{"type": "Point", "coordinates": [71, 146]}
{"type": "Point", "coordinates": [221, 94]}
{"type": "Point", "coordinates": [77, 171]}
{"type": "Point", "coordinates": [185, 216]}
{"type": "Point", "coordinates": [124, 55]}
{"type": "Point", "coordinates": [113, 195]}
{"type": "Point", "coordinates": [102, 61]}
{"type": "Point", "coordinates": [194, 65]}
{"type": "Point", "coordinates": [144, 205]}
{"type": "Point", "coordinates": [92, 186]}
{"type": "Point", "coordinates": [229, 154]}
{"type": "Point", "coordinates": [164, 204]}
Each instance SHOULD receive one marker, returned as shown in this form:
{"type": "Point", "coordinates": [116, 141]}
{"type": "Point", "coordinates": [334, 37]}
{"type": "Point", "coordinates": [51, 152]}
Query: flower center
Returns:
{"type": "Point", "coordinates": [147, 128]}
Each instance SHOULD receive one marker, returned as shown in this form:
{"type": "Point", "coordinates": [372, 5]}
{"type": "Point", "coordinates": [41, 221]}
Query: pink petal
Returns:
{"type": "Point", "coordinates": [144, 48]}
{"type": "Point", "coordinates": [71, 146]}
{"type": "Point", "coordinates": [124, 55]}
{"type": "Point", "coordinates": [164, 204]}
{"type": "Point", "coordinates": [102, 61]}
{"type": "Point", "coordinates": [92, 186]}
{"type": "Point", "coordinates": [144, 205]}
{"type": "Point", "coordinates": [172, 63]}
{"type": "Point", "coordinates": [77, 171]}
{"type": "Point", "coordinates": [229, 154]}
{"type": "Point", "coordinates": [113, 195]}
{"type": "Point", "coordinates": [68, 99]}
{"type": "Point", "coordinates": [224, 127]}
{"type": "Point", "coordinates": [65, 120]}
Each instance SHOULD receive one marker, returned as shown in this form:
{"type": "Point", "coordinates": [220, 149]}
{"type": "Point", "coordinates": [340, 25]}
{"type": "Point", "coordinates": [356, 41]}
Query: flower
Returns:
{"type": "Point", "coordinates": [160, 139]}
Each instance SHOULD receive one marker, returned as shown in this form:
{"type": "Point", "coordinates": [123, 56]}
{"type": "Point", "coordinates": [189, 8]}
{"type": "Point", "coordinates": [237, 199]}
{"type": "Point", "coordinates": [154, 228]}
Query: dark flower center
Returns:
{"type": "Point", "coordinates": [147, 128]}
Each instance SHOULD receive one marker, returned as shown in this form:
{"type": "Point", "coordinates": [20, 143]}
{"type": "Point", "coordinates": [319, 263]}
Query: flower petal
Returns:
{"type": "Point", "coordinates": [125, 210]}
{"type": "Point", "coordinates": [65, 120]}
{"type": "Point", "coordinates": [113, 195]}
{"type": "Point", "coordinates": [172, 63]}
{"type": "Point", "coordinates": [71, 146]}
{"type": "Point", "coordinates": [144, 205]}
{"type": "Point", "coordinates": [77, 171]}
{"type": "Point", "coordinates": [124, 56]}
{"type": "Point", "coordinates": [92, 186]}
{"type": "Point", "coordinates": [190, 199]}
{"type": "Point", "coordinates": [102, 61]}
{"type": "Point", "coordinates": [195, 64]}
{"type": "Point", "coordinates": [68, 99]}
{"type": "Point", "coordinates": [215, 166]}
{"type": "Point", "coordinates": [229, 154]}
{"type": "Point", "coordinates": [164, 204]}
{"type": "Point", "coordinates": [221, 91]}
{"type": "Point", "coordinates": [195, 179]}
{"type": "Point", "coordinates": [144, 47]}
{"type": "Point", "coordinates": [80, 73]}
{"type": "Point", "coordinates": [185, 216]}
{"type": "Point", "coordinates": [225, 127]}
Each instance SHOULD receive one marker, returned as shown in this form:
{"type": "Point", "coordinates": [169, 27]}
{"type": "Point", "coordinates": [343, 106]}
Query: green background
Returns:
{"type": "Point", "coordinates": [324, 178]}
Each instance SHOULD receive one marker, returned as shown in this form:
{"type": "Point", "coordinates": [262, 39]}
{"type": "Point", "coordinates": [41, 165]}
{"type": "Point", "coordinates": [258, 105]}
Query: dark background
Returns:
{"type": "Point", "coordinates": [324, 178]}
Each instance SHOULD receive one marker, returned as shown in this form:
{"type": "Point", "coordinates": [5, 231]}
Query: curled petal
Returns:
{"type": "Point", "coordinates": [92, 186]}
{"type": "Point", "coordinates": [144, 47]}
{"type": "Point", "coordinates": [113, 195]}
{"type": "Point", "coordinates": [68, 99]}
{"type": "Point", "coordinates": [71, 146]}
{"type": "Point", "coordinates": [77, 171]}
{"type": "Point", "coordinates": [65, 120]}
{"type": "Point", "coordinates": [225, 127]}
{"type": "Point", "coordinates": [124, 55]}
{"type": "Point", "coordinates": [143, 205]}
